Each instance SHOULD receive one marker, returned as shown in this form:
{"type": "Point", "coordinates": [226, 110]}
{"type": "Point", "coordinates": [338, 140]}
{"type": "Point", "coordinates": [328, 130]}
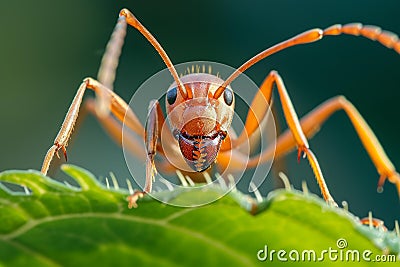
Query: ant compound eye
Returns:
{"type": "Point", "coordinates": [228, 97]}
{"type": "Point", "coordinates": [171, 95]}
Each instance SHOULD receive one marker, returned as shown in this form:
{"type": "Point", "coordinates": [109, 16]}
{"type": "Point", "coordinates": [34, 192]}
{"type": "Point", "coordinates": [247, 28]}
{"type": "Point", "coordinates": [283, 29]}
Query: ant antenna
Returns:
{"type": "Point", "coordinates": [134, 22]}
{"type": "Point", "coordinates": [303, 38]}
{"type": "Point", "coordinates": [386, 38]}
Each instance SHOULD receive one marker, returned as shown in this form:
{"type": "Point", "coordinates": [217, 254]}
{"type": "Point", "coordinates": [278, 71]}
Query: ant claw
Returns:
{"type": "Point", "coordinates": [299, 151]}
{"type": "Point", "coordinates": [332, 203]}
{"type": "Point", "coordinates": [132, 199]}
{"type": "Point", "coordinates": [57, 147]}
{"type": "Point", "coordinates": [65, 153]}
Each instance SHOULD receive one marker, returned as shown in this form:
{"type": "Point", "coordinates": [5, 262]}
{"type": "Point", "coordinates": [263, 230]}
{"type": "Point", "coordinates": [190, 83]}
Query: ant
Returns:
{"type": "Point", "coordinates": [202, 140]}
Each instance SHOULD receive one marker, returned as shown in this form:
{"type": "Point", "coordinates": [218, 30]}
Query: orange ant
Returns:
{"type": "Point", "coordinates": [201, 139]}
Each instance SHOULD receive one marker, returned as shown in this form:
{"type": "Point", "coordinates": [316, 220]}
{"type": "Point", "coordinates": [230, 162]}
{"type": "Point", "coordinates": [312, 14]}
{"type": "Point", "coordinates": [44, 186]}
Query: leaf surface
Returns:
{"type": "Point", "coordinates": [60, 225]}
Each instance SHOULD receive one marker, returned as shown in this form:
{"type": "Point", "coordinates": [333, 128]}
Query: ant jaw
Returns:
{"type": "Point", "coordinates": [200, 152]}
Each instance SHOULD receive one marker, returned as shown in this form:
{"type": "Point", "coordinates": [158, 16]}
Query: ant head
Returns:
{"type": "Point", "coordinates": [199, 122]}
{"type": "Point", "coordinates": [199, 113]}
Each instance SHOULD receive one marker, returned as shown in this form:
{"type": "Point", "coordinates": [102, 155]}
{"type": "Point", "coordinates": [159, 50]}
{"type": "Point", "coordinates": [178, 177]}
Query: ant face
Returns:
{"type": "Point", "coordinates": [199, 123]}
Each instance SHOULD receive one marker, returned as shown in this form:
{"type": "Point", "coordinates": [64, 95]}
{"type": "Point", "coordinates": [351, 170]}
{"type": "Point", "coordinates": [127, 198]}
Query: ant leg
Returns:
{"type": "Point", "coordinates": [134, 145]}
{"type": "Point", "coordinates": [311, 124]}
{"type": "Point", "coordinates": [117, 106]}
{"type": "Point", "coordinates": [110, 59]}
{"type": "Point", "coordinates": [109, 63]}
{"type": "Point", "coordinates": [114, 129]}
{"type": "Point", "coordinates": [258, 110]}
{"type": "Point", "coordinates": [151, 138]}
{"type": "Point", "coordinates": [104, 93]}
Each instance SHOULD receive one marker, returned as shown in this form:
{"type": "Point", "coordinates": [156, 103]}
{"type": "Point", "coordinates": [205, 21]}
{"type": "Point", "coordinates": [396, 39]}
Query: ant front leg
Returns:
{"type": "Point", "coordinates": [118, 107]}
{"type": "Point", "coordinates": [105, 101]}
{"type": "Point", "coordinates": [154, 125]}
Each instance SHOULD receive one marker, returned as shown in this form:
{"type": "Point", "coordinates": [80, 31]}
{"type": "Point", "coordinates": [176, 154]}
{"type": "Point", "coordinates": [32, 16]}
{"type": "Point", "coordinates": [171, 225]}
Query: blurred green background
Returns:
{"type": "Point", "coordinates": [48, 47]}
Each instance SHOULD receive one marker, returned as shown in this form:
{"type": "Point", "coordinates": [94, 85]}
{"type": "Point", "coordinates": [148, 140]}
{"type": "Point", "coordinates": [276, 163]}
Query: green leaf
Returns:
{"type": "Point", "coordinates": [59, 225]}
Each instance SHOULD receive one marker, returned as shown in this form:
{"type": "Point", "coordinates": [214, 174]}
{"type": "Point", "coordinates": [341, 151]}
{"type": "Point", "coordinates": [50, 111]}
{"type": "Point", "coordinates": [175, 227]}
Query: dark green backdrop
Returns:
{"type": "Point", "coordinates": [46, 49]}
